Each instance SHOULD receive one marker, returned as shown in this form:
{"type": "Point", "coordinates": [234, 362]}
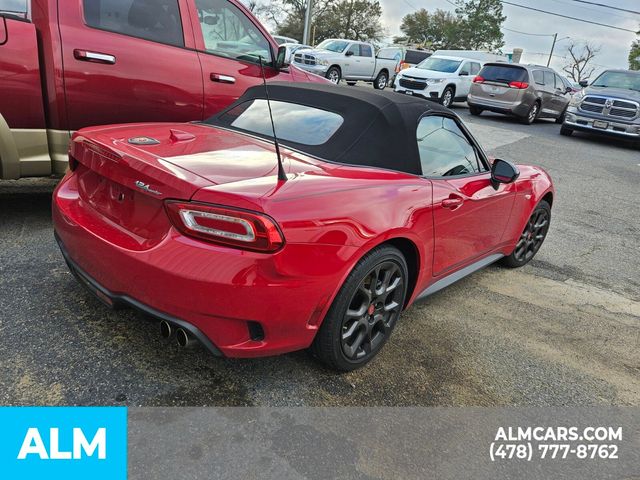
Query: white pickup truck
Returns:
{"type": "Point", "coordinates": [338, 59]}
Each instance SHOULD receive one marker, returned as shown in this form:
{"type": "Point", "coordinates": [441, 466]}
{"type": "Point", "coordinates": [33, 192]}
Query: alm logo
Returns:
{"type": "Point", "coordinates": [34, 445]}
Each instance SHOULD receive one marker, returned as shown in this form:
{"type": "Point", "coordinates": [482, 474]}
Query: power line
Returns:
{"type": "Point", "coordinates": [635, 12]}
{"type": "Point", "coordinates": [567, 3]}
{"type": "Point", "coordinates": [527, 33]}
{"type": "Point", "coordinates": [567, 16]}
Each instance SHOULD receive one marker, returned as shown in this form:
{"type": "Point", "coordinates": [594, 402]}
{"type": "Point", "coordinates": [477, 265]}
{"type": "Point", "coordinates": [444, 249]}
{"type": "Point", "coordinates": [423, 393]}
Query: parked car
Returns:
{"type": "Point", "coordinates": [527, 92]}
{"type": "Point", "coordinates": [443, 79]}
{"type": "Point", "coordinates": [292, 48]}
{"type": "Point", "coordinates": [573, 86]}
{"type": "Point", "coordinates": [483, 57]}
{"type": "Point", "coordinates": [350, 60]}
{"type": "Point", "coordinates": [65, 65]}
{"type": "Point", "coordinates": [382, 199]}
{"type": "Point", "coordinates": [281, 40]}
{"type": "Point", "coordinates": [609, 106]}
{"type": "Point", "coordinates": [406, 57]}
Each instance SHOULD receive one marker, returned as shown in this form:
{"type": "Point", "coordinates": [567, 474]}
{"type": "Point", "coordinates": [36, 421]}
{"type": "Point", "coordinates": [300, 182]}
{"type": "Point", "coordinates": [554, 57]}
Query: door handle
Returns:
{"type": "Point", "coordinates": [95, 57]}
{"type": "Point", "coordinates": [217, 77]}
{"type": "Point", "coordinates": [452, 202]}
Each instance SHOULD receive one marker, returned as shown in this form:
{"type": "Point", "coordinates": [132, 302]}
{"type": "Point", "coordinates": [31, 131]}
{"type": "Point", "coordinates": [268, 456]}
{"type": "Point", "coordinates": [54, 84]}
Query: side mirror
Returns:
{"type": "Point", "coordinates": [283, 59]}
{"type": "Point", "coordinates": [583, 83]}
{"type": "Point", "coordinates": [503, 172]}
{"type": "Point", "coordinates": [348, 54]}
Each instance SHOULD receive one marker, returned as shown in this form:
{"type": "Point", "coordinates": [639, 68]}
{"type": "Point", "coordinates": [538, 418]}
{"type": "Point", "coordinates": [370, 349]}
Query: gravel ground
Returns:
{"type": "Point", "coordinates": [562, 331]}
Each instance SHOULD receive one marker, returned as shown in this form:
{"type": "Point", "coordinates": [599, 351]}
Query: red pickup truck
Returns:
{"type": "Point", "coordinates": [68, 64]}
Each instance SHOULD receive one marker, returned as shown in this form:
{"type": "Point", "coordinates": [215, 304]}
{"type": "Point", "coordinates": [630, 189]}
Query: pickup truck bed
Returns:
{"type": "Point", "coordinates": [66, 65]}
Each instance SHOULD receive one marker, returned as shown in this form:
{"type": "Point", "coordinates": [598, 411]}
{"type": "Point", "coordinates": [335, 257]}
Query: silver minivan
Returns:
{"type": "Point", "coordinates": [527, 92]}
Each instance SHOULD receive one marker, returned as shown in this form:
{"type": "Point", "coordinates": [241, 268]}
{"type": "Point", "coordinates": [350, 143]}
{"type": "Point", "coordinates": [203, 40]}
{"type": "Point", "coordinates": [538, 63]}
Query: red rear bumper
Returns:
{"type": "Point", "coordinates": [212, 291]}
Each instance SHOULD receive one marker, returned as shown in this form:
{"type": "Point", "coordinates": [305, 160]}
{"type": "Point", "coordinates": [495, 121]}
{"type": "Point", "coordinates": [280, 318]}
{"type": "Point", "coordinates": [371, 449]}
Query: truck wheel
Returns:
{"type": "Point", "coordinates": [380, 83]}
{"type": "Point", "coordinates": [334, 75]}
{"type": "Point", "coordinates": [447, 97]}
{"type": "Point", "coordinates": [567, 132]}
{"type": "Point", "coordinates": [475, 110]}
{"type": "Point", "coordinates": [364, 312]}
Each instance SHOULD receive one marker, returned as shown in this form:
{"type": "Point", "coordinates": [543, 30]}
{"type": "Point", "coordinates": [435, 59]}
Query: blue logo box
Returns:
{"type": "Point", "coordinates": [66, 443]}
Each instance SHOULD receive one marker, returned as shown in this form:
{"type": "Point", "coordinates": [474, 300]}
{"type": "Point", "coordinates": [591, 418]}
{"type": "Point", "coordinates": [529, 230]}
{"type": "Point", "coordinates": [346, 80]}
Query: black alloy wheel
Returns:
{"type": "Point", "coordinates": [532, 238]}
{"type": "Point", "coordinates": [373, 311]}
{"type": "Point", "coordinates": [365, 311]}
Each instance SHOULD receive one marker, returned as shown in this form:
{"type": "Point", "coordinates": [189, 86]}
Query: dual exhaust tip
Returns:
{"type": "Point", "coordinates": [184, 338]}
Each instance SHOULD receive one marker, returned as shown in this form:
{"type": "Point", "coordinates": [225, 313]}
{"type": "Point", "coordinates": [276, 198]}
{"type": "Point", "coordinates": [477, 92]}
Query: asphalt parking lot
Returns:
{"type": "Point", "coordinates": [564, 330]}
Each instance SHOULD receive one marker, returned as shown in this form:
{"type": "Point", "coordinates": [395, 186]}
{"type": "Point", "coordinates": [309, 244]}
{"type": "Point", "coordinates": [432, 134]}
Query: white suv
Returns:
{"type": "Point", "coordinates": [441, 78]}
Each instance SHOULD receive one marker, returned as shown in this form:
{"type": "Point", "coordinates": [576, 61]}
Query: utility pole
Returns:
{"type": "Point", "coordinates": [555, 37]}
{"type": "Point", "coordinates": [307, 22]}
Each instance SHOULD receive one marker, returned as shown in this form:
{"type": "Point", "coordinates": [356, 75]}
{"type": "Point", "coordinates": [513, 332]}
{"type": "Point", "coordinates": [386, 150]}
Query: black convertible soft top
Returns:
{"type": "Point", "coordinates": [379, 128]}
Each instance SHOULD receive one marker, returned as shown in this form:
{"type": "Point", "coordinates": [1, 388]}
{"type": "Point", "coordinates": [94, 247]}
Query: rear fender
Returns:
{"type": "Point", "coordinates": [9, 159]}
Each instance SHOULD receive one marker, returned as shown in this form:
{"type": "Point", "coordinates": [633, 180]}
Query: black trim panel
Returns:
{"type": "Point", "coordinates": [120, 301]}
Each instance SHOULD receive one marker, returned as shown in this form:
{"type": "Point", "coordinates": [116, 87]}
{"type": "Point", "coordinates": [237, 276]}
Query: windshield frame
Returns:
{"type": "Point", "coordinates": [635, 80]}
{"type": "Point", "coordinates": [322, 46]}
{"type": "Point", "coordinates": [432, 59]}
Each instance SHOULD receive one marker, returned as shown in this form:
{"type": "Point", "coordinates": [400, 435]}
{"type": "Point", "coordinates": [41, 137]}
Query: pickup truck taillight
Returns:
{"type": "Point", "coordinates": [226, 226]}
{"type": "Point", "coordinates": [402, 66]}
{"type": "Point", "coordinates": [478, 79]}
{"type": "Point", "coordinates": [519, 85]}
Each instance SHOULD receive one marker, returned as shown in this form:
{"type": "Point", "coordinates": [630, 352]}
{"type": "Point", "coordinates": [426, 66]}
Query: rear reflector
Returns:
{"type": "Point", "coordinates": [519, 85]}
{"type": "Point", "coordinates": [226, 226]}
{"type": "Point", "coordinates": [478, 79]}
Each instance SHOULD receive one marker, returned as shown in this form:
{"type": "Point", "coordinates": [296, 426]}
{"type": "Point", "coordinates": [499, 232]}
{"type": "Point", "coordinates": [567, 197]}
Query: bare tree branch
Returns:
{"type": "Point", "coordinates": [578, 66]}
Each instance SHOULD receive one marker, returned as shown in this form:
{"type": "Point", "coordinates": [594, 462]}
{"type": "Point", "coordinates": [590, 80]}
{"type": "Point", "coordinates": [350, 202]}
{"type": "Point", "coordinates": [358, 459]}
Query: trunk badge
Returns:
{"type": "Point", "coordinates": [143, 141]}
{"type": "Point", "coordinates": [146, 187]}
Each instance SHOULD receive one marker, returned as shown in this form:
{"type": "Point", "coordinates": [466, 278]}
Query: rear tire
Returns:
{"type": "Point", "coordinates": [532, 238]}
{"type": "Point", "coordinates": [475, 111]}
{"type": "Point", "coordinates": [380, 83]}
{"type": "Point", "coordinates": [560, 119]}
{"type": "Point", "coordinates": [567, 132]}
{"type": "Point", "coordinates": [531, 115]}
{"type": "Point", "coordinates": [365, 311]}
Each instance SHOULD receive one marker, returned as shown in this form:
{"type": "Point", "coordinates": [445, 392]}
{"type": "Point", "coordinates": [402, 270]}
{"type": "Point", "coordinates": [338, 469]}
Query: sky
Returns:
{"type": "Point", "coordinates": [615, 43]}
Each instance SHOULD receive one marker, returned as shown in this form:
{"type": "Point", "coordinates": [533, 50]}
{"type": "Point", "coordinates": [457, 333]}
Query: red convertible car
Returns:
{"type": "Point", "coordinates": [381, 199]}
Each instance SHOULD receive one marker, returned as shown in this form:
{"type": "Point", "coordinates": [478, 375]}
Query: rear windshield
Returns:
{"type": "Point", "coordinates": [504, 74]}
{"type": "Point", "coordinates": [390, 54]}
{"type": "Point", "coordinates": [294, 123]}
{"type": "Point", "coordinates": [414, 57]}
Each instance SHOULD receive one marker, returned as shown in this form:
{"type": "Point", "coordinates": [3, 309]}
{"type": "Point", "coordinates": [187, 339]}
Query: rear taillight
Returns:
{"type": "Point", "coordinates": [402, 66]}
{"type": "Point", "coordinates": [226, 226]}
{"type": "Point", "coordinates": [519, 85]}
{"type": "Point", "coordinates": [478, 79]}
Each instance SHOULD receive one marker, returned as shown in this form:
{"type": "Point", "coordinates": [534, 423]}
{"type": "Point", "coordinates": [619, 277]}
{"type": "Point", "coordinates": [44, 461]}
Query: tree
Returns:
{"type": "Point", "coordinates": [481, 21]}
{"type": "Point", "coordinates": [634, 55]}
{"type": "Point", "coordinates": [581, 54]}
{"type": "Point", "coordinates": [354, 19]}
{"type": "Point", "coordinates": [437, 30]}
{"type": "Point", "coordinates": [475, 26]}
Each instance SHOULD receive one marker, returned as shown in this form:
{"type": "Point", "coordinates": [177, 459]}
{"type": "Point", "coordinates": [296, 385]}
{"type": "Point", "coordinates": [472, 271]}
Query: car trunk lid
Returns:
{"type": "Point", "coordinates": [126, 173]}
